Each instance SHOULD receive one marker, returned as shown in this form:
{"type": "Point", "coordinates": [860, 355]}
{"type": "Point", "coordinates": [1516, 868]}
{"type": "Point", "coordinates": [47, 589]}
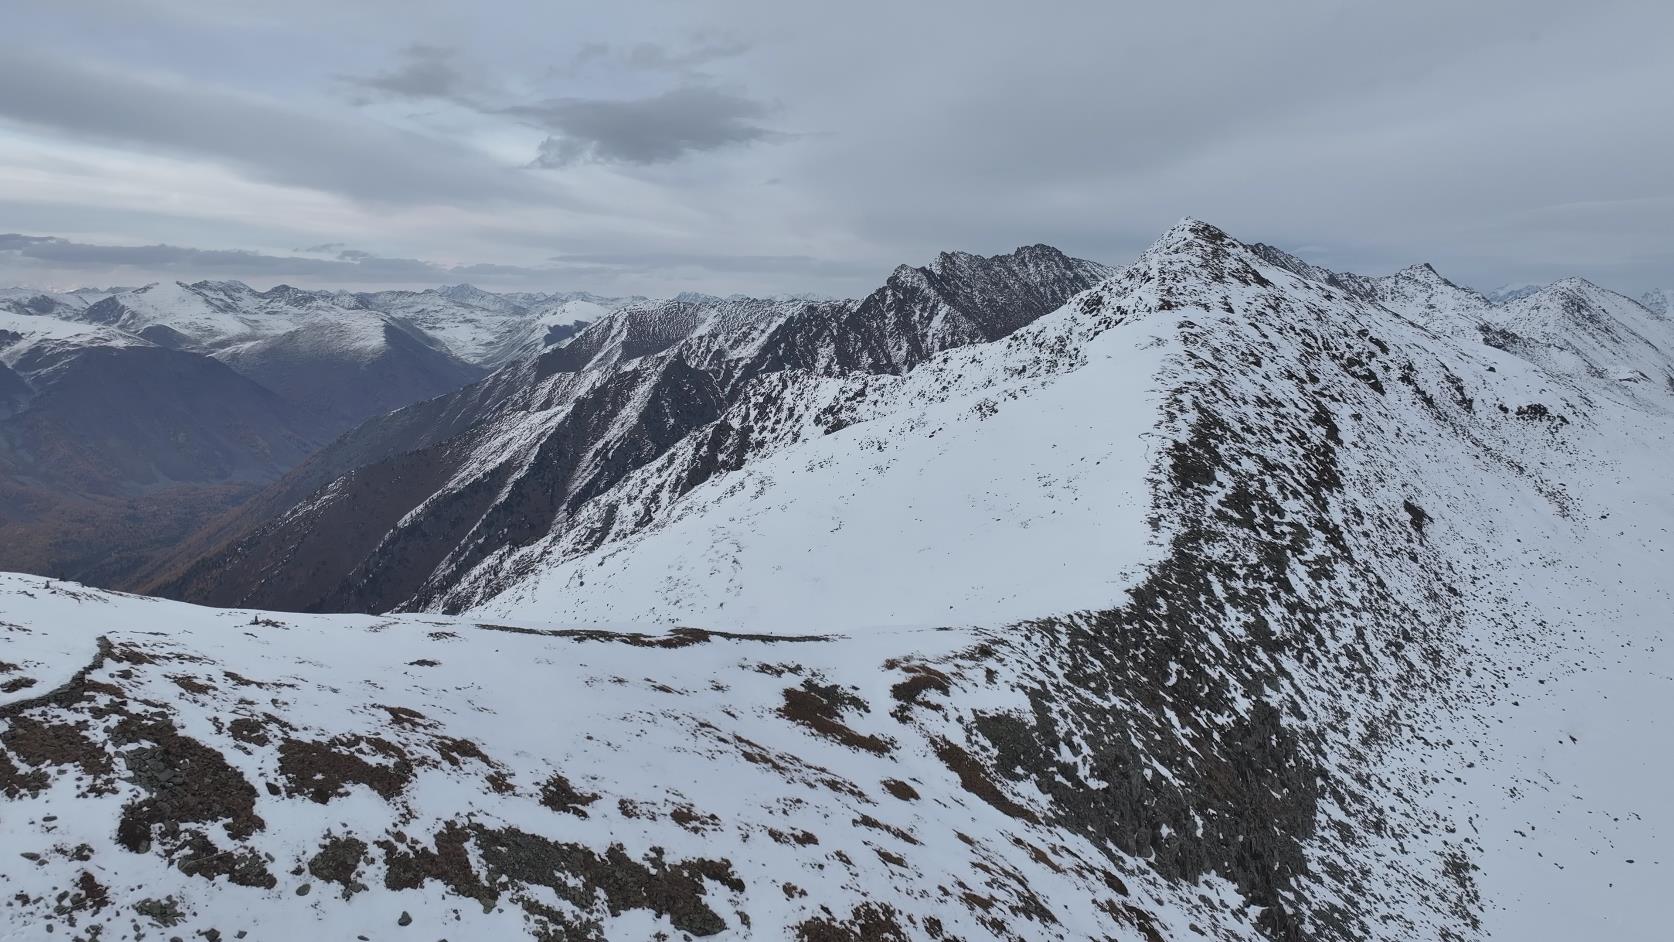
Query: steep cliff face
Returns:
{"type": "Point", "coordinates": [1352, 630]}
{"type": "Point", "coordinates": [514, 459]}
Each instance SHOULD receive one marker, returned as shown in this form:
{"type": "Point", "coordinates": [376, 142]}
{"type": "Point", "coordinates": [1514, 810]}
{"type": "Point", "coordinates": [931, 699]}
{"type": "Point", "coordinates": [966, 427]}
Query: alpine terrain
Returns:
{"type": "Point", "coordinates": [1216, 596]}
{"type": "Point", "coordinates": [131, 417]}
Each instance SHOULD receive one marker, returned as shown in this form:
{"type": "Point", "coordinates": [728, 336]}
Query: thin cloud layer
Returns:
{"type": "Point", "coordinates": [337, 264]}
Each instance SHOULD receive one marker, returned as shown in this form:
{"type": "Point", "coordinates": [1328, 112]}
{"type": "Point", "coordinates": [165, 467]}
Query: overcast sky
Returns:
{"type": "Point", "coordinates": [766, 146]}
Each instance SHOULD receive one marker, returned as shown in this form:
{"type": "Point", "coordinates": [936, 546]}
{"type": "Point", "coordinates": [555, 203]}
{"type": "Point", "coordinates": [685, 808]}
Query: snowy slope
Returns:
{"type": "Point", "coordinates": [985, 461]}
{"type": "Point", "coordinates": [1577, 328]}
{"type": "Point", "coordinates": [477, 327]}
{"type": "Point", "coordinates": [24, 337]}
{"type": "Point", "coordinates": [1370, 647]}
{"type": "Point", "coordinates": [485, 328]}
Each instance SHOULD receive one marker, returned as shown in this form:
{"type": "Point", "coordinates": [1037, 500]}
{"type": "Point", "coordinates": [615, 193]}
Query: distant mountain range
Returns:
{"type": "Point", "coordinates": [418, 504]}
{"type": "Point", "coordinates": [128, 417]}
{"type": "Point", "coordinates": [1219, 596]}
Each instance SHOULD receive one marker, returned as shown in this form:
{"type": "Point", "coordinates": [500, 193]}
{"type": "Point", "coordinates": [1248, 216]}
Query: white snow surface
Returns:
{"type": "Point", "coordinates": [42, 333]}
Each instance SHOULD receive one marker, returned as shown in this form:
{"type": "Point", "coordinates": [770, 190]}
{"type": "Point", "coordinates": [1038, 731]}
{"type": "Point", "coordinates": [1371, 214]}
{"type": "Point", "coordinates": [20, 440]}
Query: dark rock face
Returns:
{"type": "Point", "coordinates": [918, 312]}
{"type": "Point", "coordinates": [621, 394]}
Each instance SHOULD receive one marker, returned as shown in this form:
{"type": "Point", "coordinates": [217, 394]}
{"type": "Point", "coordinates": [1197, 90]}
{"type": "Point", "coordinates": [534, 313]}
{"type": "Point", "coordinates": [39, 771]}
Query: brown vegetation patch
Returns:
{"type": "Point", "coordinates": [16, 782]}
{"type": "Point", "coordinates": [185, 781]}
{"type": "Point", "coordinates": [974, 779]}
{"type": "Point", "coordinates": [558, 794]}
{"type": "Point", "coordinates": [821, 708]}
{"type": "Point", "coordinates": [900, 789]}
{"type": "Point", "coordinates": [322, 771]}
{"type": "Point", "coordinates": [694, 820]}
{"type": "Point", "coordinates": [248, 729]}
{"type": "Point", "coordinates": [919, 680]}
{"type": "Point", "coordinates": [408, 864]}
{"type": "Point", "coordinates": [196, 855]}
{"type": "Point", "coordinates": [244, 681]}
{"type": "Point", "coordinates": [191, 684]}
{"type": "Point", "coordinates": [40, 743]}
{"type": "Point", "coordinates": [338, 861]}
{"type": "Point", "coordinates": [455, 751]}
{"type": "Point", "coordinates": [867, 821]}
{"type": "Point", "coordinates": [580, 876]}
{"type": "Point", "coordinates": [676, 638]}
{"type": "Point", "coordinates": [869, 922]}
{"type": "Point", "coordinates": [797, 837]}
{"type": "Point", "coordinates": [406, 717]}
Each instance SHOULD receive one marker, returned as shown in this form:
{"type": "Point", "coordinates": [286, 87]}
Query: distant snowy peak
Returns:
{"type": "Point", "coordinates": [206, 314]}
{"type": "Point", "coordinates": [1511, 292]}
{"type": "Point", "coordinates": [484, 328]}
{"type": "Point", "coordinates": [37, 301]}
{"type": "Point", "coordinates": [1419, 293]}
{"type": "Point", "coordinates": [29, 341]}
{"type": "Point", "coordinates": [1576, 327]}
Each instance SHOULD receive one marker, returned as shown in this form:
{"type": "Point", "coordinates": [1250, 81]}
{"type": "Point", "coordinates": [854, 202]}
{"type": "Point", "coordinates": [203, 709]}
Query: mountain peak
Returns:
{"type": "Point", "coordinates": [1189, 230]}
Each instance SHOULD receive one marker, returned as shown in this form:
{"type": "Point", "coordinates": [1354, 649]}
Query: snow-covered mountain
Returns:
{"type": "Point", "coordinates": [346, 355]}
{"type": "Point", "coordinates": [1511, 292]}
{"type": "Point", "coordinates": [1226, 600]}
{"type": "Point", "coordinates": [489, 329]}
{"type": "Point", "coordinates": [1577, 328]}
{"type": "Point", "coordinates": [121, 428]}
{"type": "Point", "coordinates": [405, 509]}
{"type": "Point", "coordinates": [327, 350]}
{"type": "Point", "coordinates": [112, 447]}
{"type": "Point", "coordinates": [35, 301]}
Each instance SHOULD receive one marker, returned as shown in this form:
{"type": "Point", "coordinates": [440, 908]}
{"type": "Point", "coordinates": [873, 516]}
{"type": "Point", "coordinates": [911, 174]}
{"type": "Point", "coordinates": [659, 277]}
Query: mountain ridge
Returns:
{"type": "Point", "coordinates": [621, 360]}
{"type": "Point", "coordinates": [1365, 586]}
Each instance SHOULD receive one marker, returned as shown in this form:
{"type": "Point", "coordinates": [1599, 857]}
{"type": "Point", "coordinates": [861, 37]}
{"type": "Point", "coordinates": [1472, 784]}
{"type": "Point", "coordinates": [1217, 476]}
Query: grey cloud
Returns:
{"type": "Point", "coordinates": [425, 72]}
{"type": "Point", "coordinates": [359, 159]}
{"type": "Point", "coordinates": [651, 130]}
